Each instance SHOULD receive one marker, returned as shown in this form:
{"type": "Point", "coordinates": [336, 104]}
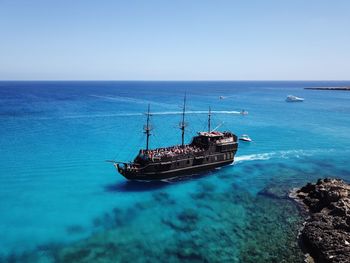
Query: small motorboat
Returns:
{"type": "Point", "coordinates": [222, 97]}
{"type": "Point", "coordinates": [292, 98]}
{"type": "Point", "coordinates": [244, 112]}
{"type": "Point", "coordinates": [245, 138]}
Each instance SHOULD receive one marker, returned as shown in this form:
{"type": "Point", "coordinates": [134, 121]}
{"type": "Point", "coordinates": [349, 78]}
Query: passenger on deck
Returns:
{"type": "Point", "coordinates": [171, 151]}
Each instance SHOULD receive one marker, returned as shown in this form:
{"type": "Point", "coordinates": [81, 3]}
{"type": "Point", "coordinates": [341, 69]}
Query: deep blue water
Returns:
{"type": "Point", "coordinates": [57, 191]}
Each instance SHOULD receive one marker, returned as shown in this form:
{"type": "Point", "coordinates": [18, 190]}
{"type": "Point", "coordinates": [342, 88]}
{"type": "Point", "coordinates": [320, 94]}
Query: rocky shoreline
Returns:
{"type": "Point", "coordinates": [329, 88]}
{"type": "Point", "coordinates": [326, 232]}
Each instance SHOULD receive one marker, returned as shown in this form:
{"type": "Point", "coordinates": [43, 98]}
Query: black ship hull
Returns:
{"type": "Point", "coordinates": [180, 172]}
{"type": "Point", "coordinates": [182, 165]}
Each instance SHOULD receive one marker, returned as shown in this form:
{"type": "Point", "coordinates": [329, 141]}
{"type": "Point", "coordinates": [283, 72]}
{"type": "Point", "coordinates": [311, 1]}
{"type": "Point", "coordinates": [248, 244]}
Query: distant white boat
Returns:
{"type": "Point", "coordinates": [292, 98]}
{"type": "Point", "coordinates": [222, 97]}
{"type": "Point", "coordinates": [245, 138]}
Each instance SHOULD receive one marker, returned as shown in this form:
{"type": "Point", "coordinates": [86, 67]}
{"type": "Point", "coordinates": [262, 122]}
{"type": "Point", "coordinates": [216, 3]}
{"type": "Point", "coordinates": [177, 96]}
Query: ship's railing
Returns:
{"type": "Point", "coordinates": [225, 140]}
{"type": "Point", "coordinates": [171, 152]}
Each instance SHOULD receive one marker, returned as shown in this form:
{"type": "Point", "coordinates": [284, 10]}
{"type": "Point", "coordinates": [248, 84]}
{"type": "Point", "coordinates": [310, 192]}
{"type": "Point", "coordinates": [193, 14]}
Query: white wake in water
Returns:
{"type": "Point", "coordinates": [132, 100]}
{"type": "Point", "coordinates": [194, 112]}
{"type": "Point", "coordinates": [253, 157]}
{"type": "Point", "coordinates": [137, 114]}
{"type": "Point", "coordinates": [278, 155]}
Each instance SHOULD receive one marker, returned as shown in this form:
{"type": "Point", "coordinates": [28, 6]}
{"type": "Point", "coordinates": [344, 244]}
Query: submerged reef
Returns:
{"type": "Point", "coordinates": [213, 226]}
{"type": "Point", "coordinates": [208, 224]}
{"type": "Point", "coordinates": [326, 233]}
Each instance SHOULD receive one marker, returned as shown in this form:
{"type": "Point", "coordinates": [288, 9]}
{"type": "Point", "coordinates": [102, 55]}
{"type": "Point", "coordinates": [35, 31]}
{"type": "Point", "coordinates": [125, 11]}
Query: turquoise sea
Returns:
{"type": "Point", "coordinates": [61, 202]}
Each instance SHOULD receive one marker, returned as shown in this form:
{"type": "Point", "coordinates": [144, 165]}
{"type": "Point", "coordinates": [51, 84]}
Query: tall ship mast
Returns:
{"type": "Point", "coordinates": [147, 128]}
{"type": "Point", "coordinates": [183, 124]}
{"type": "Point", "coordinates": [207, 150]}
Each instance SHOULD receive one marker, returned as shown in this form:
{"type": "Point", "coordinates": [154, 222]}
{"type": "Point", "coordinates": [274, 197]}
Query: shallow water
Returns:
{"type": "Point", "coordinates": [61, 202]}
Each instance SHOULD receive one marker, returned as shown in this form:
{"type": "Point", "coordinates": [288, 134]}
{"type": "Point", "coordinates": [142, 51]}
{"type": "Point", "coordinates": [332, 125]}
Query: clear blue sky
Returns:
{"type": "Point", "coordinates": [175, 40]}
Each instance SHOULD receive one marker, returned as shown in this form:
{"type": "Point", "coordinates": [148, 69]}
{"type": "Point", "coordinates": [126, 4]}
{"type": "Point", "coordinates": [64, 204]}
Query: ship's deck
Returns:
{"type": "Point", "coordinates": [172, 151]}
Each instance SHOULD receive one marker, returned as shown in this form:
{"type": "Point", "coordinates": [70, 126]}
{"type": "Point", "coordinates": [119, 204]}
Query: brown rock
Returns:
{"type": "Point", "coordinates": [326, 234]}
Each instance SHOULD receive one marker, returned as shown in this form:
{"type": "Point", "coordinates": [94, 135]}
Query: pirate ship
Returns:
{"type": "Point", "coordinates": [208, 150]}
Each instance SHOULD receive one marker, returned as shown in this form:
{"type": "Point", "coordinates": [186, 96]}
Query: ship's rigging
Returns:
{"type": "Point", "coordinates": [182, 125]}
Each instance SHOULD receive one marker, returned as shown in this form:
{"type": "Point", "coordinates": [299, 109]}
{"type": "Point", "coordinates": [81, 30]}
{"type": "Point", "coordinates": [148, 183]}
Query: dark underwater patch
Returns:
{"type": "Point", "coordinates": [75, 229]}
{"type": "Point", "coordinates": [204, 190]}
{"type": "Point", "coordinates": [115, 219]}
{"type": "Point", "coordinates": [184, 221]}
{"type": "Point", "coordinates": [163, 198]}
{"type": "Point", "coordinates": [135, 186]}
